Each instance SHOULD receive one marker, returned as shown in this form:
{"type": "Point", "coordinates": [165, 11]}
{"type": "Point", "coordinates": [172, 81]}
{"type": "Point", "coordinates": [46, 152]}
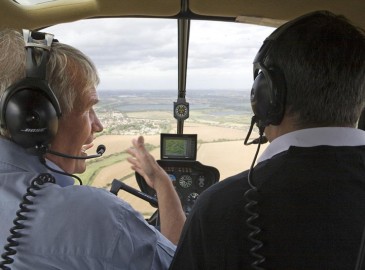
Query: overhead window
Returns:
{"type": "Point", "coordinates": [32, 2]}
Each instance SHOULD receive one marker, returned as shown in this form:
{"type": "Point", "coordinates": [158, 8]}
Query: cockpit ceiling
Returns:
{"type": "Point", "coordinates": [264, 12]}
{"type": "Point", "coordinates": [272, 11]}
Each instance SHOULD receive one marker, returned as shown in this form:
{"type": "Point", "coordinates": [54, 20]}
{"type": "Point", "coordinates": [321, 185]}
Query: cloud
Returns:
{"type": "Point", "coordinates": [141, 53]}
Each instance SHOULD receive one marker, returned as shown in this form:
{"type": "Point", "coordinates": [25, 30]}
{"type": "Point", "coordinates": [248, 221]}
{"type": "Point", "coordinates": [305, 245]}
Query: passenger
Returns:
{"type": "Point", "coordinates": [68, 226]}
{"type": "Point", "coordinates": [308, 187]}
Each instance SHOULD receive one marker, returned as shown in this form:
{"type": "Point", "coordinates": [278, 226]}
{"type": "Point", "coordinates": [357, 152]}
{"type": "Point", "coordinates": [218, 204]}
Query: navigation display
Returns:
{"type": "Point", "coordinates": [178, 146]}
{"type": "Point", "coordinates": [175, 147]}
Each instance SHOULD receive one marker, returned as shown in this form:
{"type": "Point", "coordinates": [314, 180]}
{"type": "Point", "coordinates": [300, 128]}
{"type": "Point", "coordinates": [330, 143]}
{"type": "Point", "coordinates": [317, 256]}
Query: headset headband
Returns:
{"type": "Point", "coordinates": [34, 69]}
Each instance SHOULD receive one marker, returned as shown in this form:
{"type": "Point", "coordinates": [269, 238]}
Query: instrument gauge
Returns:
{"type": "Point", "coordinates": [185, 181]}
{"type": "Point", "coordinates": [172, 178]}
{"type": "Point", "coordinates": [181, 111]}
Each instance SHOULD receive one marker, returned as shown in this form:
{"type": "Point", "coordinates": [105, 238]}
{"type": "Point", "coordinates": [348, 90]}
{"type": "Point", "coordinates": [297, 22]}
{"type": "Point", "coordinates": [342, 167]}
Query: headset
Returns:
{"type": "Point", "coordinates": [268, 93]}
{"type": "Point", "coordinates": [29, 110]}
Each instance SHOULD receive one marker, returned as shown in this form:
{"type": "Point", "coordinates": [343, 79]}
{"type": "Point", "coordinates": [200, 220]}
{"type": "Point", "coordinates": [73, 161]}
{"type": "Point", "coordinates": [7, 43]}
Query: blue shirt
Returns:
{"type": "Point", "coordinates": [73, 227]}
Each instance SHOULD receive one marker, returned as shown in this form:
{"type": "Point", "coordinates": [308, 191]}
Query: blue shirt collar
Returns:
{"type": "Point", "coordinates": [61, 180]}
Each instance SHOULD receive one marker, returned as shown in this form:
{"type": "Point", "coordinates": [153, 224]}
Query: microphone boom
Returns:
{"type": "Point", "coordinates": [100, 151]}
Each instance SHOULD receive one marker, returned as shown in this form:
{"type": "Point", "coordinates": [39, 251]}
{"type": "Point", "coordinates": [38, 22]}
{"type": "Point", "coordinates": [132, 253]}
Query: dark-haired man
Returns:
{"type": "Point", "coordinates": [302, 205]}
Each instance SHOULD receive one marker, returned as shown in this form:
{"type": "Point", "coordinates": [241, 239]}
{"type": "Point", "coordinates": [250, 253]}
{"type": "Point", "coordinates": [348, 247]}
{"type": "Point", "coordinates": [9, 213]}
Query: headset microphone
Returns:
{"type": "Point", "coordinates": [261, 140]}
{"type": "Point", "coordinates": [100, 151]}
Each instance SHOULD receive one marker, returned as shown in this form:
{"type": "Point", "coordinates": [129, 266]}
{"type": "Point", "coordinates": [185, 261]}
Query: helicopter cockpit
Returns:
{"type": "Point", "coordinates": [198, 136]}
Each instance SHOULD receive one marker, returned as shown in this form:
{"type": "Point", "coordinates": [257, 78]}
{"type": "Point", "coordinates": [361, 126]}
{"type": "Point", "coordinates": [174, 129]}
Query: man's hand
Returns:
{"type": "Point", "coordinates": [171, 213]}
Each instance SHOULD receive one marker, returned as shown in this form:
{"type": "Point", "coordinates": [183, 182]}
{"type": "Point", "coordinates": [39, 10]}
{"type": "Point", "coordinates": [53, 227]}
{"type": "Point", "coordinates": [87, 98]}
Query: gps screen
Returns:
{"type": "Point", "coordinates": [178, 146]}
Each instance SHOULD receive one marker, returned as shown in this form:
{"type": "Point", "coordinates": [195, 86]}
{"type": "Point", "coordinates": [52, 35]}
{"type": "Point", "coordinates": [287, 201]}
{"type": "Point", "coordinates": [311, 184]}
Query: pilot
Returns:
{"type": "Point", "coordinates": [61, 225]}
{"type": "Point", "coordinates": [302, 205]}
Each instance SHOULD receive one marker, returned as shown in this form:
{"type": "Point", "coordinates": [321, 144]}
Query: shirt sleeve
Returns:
{"type": "Point", "coordinates": [142, 244]}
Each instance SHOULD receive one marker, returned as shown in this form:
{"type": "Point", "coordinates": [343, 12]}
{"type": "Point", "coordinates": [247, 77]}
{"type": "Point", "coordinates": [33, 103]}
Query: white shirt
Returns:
{"type": "Point", "coordinates": [332, 136]}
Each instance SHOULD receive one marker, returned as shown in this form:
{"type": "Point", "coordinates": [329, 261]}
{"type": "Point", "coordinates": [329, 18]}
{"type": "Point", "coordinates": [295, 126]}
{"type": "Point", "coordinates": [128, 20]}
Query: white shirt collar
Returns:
{"type": "Point", "coordinates": [333, 136]}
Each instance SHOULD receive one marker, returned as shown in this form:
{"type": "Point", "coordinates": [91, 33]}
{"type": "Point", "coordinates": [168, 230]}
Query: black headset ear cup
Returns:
{"type": "Point", "coordinates": [268, 97]}
{"type": "Point", "coordinates": [260, 100]}
{"type": "Point", "coordinates": [29, 108]}
{"type": "Point", "coordinates": [29, 114]}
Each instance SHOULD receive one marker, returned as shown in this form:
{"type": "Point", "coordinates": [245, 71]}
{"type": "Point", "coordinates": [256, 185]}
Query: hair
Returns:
{"type": "Point", "coordinates": [322, 58]}
{"type": "Point", "coordinates": [70, 73]}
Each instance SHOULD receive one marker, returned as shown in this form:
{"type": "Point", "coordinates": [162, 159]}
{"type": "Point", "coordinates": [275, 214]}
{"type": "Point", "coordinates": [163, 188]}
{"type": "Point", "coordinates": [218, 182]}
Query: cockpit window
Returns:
{"type": "Point", "coordinates": [137, 61]}
{"type": "Point", "coordinates": [142, 54]}
{"type": "Point", "coordinates": [130, 54]}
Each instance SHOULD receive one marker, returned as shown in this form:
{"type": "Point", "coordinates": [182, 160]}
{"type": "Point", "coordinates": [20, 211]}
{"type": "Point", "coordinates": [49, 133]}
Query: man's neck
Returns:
{"type": "Point", "coordinates": [287, 125]}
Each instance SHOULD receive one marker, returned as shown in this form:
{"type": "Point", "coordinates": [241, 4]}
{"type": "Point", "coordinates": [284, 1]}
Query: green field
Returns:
{"type": "Point", "coordinates": [94, 166]}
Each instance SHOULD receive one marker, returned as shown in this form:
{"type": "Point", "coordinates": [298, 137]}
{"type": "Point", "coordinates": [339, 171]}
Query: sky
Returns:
{"type": "Point", "coordinates": [139, 54]}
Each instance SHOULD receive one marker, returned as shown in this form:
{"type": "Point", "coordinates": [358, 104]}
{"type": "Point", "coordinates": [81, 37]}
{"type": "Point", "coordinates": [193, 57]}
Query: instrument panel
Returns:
{"type": "Point", "coordinates": [190, 179]}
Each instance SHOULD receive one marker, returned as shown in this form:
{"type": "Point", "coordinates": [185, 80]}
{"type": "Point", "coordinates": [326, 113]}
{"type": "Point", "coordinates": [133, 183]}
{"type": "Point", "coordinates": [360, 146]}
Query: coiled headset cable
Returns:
{"type": "Point", "coordinates": [15, 233]}
{"type": "Point", "coordinates": [250, 208]}
{"type": "Point", "coordinates": [361, 256]}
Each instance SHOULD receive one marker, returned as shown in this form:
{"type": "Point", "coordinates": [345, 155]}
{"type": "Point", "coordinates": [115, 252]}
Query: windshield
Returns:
{"type": "Point", "coordinates": [137, 63]}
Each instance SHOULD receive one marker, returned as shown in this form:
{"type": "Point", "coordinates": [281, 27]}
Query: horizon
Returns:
{"type": "Point", "coordinates": [170, 90]}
